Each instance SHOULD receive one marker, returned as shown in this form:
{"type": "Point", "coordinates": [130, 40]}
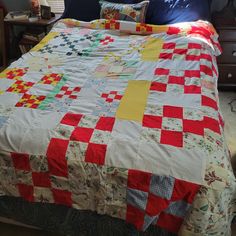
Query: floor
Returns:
{"type": "Point", "coordinates": [227, 102]}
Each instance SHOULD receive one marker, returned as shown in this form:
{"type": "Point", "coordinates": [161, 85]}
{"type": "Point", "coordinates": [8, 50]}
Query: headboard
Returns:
{"type": "Point", "coordinates": [159, 11]}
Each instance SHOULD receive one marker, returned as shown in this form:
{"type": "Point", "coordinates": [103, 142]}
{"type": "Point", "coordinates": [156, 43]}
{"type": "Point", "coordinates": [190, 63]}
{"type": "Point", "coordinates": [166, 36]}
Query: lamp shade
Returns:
{"type": "Point", "coordinates": [43, 3]}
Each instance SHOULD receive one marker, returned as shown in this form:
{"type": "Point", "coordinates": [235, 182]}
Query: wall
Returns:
{"type": "Point", "coordinates": [14, 5]}
{"type": "Point", "coordinates": [218, 5]}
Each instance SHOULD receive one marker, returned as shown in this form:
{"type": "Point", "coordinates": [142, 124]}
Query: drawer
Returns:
{"type": "Point", "coordinates": [227, 35]}
{"type": "Point", "coordinates": [229, 53]}
{"type": "Point", "coordinates": [227, 74]}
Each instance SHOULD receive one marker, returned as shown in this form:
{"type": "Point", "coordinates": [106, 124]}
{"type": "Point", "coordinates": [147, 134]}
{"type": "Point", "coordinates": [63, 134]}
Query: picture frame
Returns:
{"type": "Point", "coordinates": [46, 12]}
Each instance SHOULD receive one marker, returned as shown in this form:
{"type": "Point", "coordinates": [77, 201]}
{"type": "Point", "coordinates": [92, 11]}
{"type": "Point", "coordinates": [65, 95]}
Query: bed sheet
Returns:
{"type": "Point", "coordinates": [122, 119]}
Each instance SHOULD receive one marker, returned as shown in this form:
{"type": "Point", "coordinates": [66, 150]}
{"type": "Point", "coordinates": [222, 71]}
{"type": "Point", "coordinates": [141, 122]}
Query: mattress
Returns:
{"type": "Point", "coordinates": [121, 119]}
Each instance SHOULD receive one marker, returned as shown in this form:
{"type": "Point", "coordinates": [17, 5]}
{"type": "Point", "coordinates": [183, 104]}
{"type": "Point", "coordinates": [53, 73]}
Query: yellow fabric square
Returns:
{"type": "Point", "coordinates": [151, 49]}
{"type": "Point", "coordinates": [134, 101]}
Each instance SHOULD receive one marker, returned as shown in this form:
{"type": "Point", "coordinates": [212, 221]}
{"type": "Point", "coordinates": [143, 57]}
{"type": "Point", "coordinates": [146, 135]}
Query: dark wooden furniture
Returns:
{"type": "Point", "coordinates": [43, 24]}
{"type": "Point", "coordinates": [225, 24]}
{"type": "Point", "coordinates": [3, 57]}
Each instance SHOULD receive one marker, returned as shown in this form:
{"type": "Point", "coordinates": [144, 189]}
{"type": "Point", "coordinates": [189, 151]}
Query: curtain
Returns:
{"type": "Point", "coordinates": [57, 6]}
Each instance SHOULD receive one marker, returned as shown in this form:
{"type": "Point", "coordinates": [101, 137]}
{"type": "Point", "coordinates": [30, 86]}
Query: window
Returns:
{"type": "Point", "coordinates": [57, 6]}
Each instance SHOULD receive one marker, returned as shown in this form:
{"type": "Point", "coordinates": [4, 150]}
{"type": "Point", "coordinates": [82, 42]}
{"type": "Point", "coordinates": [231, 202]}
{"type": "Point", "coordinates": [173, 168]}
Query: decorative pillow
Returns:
{"type": "Point", "coordinates": [127, 12]}
{"type": "Point", "coordinates": [174, 11]}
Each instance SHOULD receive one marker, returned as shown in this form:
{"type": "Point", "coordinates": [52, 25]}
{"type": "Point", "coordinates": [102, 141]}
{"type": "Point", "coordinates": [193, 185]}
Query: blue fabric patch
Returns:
{"type": "Point", "coordinates": [162, 186]}
{"type": "Point", "coordinates": [137, 198]}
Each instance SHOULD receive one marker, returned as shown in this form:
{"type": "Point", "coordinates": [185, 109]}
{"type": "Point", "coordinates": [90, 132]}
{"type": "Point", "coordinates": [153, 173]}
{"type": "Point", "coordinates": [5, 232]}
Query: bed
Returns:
{"type": "Point", "coordinates": [113, 127]}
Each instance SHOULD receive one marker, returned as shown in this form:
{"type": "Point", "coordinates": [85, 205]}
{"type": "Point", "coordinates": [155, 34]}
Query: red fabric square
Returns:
{"type": "Point", "coordinates": [156, 205]}
{"type": "Point", "coordinates": [194, 46]}
{"type": "Point", "coordinates": [176, 80]}
{"type": "Point", "coordinates": [21, 161]}
{"type": "Point", "coordinates": [192, 73]}
{"type": "Point", "coordinates": [180, 51]}
{"type": "Point", "coordinates": [26, 191]}
{"type": "Point", "coordinates": [59, 96]}
{"type": "Point", "coordinates": [173, 112]}
{"type": "Point", "coordinates": [105, 123]}
{"type": "Point", "coordinates": [173, 30]}
{"type": "Point", "coordinates": [193, 126]}
{"type": "Point", "coordinates": [162, 71]}
{"type": "Point", "coordinates": [169, 45]}
{"type": "Point", "coordinates": [71, 119]}
{"type": "Point", "coordinates": [56, 154]}
{"type": "Point", "coordinates": [96, 153]}
{"type": "Point", "coordinates": [139, 180]}
{"type": "Point", "coordinates": [184, 191]}
{"type": "Point", "coordinates": [209, 102]}
{"type": "Point", "coordinates": [68, 92]}
{"type": "Point", "coordinates": [207, 70]}
{"type": "Point", "coordinates": [73, 96]}
{"type": "Point", "coordinates": [212, 124]}
{"type": "Point", "coordinates": [192, 89]}
{"type": "Point", "coordinates": [64, 88]}
{"type": "Point", "coordinates": [109, 100]}
{"type": "Point", "coordinates": [135, 216]}
{"type": "Point", "coordinates": [192, 58]}
{"type": "Point", "coordinates": [118, 97]}
{"type": "Point", "coordinates": [207, 57]}
{"type": "Point", "coordinates": [62, 197]}
{"type": "Point", "coordinates": [169, 222]}
{"type": "Point", "coordinates": [82, 134]}
{"type": "Point", "coordinates": [166, 56]}
{"type": "Point", "coordinates": [151, 121]}
{"type": "Point", "coordinates": [173, 138]}
{"type": "Point", "coordinates": [41, 179]}
{"type": "Point", "coordinates": [105, 95]}
{"type": "Point", "coordinates": [156, 86]}
{"type": "Point", "coordinates": [77, 89]}
{"type": "Point", "coordinates": [34, 106]}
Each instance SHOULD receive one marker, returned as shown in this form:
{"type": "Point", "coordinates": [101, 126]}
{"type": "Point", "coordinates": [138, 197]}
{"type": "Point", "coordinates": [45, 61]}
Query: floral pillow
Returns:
{"type": "Point", "coordinates": [127, 12]}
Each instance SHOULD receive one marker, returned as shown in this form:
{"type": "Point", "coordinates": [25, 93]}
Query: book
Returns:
{"type": "Point", "coordinates": [36, 36]}
{"type": "Point", "coordinates": [17, 15]}
{"type": "Point", "coordinates": [26, 45]}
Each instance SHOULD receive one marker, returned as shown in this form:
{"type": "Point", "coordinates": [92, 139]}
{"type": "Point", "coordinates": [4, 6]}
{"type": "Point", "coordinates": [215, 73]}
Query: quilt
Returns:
{"type": "Point", "coordinates": [123, 119]}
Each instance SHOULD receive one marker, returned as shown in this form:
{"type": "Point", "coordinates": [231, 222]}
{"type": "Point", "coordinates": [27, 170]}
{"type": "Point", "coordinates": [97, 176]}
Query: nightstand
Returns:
{"type": "Point", "coordinates": [225, 24]}
{"type": "Point", "coordinates": [3, 62]}
{"type": "Point", "coordinates": [43, 24]}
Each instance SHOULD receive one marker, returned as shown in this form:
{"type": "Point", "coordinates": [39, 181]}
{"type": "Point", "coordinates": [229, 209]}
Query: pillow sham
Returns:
{"type": "Point", "coordinates": [175, 11]}
{"type": "Point", "coordinates": [127, 12]}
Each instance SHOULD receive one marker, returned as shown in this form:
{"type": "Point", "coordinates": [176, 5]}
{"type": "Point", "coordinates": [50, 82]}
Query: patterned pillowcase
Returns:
{"type": "Point", "coordinates": [127, 12]}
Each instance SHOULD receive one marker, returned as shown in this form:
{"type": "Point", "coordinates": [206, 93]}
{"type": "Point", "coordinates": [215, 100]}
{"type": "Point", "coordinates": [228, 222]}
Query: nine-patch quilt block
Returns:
{"type": "Point", "coordinates": [123, 119]}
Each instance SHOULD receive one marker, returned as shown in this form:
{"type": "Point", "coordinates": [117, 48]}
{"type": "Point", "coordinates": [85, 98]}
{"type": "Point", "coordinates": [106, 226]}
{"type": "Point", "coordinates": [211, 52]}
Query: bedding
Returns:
{"type": "Point", "coordinates": [123, 119]}
{"type": "Point", "coordinates": [174, 11]}
{"type": "Point", "coordinates": [128, 12]}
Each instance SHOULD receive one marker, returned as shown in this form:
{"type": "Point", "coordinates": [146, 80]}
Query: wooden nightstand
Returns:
{"type": "Point", "coordinates": [3, 62]}
{"type": "Point", "coordinates": [225, 24]}
{"type": "Point", "coordinates": [43, 24]}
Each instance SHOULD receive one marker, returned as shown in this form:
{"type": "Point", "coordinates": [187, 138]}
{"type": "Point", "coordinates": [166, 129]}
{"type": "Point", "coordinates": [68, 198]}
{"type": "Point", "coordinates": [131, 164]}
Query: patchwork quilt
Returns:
{"type": "Point", "coordinates": [123, 119]}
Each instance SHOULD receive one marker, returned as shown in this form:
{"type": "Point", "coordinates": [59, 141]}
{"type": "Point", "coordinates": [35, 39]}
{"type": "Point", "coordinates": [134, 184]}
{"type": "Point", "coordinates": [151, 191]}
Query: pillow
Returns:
{"type": "Point", "coordinates": [174, 11]}
{"type": "Point", "coordinates": [84, 10]}
{"type": "Point", "coordinates": [127, 12]}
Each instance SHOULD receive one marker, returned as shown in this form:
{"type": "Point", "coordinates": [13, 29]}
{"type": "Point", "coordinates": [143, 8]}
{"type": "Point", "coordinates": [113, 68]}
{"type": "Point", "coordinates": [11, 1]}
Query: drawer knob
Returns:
{"type": "Point", "coordinates": [229, 75]}
{"type": "Point", "coordinates": [234, 53]}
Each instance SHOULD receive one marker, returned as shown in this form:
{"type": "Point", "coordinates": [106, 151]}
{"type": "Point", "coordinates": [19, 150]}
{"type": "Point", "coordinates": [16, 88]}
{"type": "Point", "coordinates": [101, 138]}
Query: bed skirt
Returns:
{"type": "Point", "coordinates": [69, 221]}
